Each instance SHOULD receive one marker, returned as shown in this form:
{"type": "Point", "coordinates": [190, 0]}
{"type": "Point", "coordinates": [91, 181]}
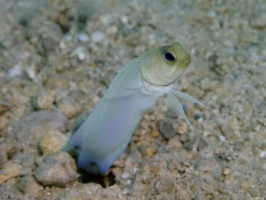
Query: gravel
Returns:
{"type": "Point", "coordinates": [57, 169]}
{"type": "Point", "coordinates": [57, 58]}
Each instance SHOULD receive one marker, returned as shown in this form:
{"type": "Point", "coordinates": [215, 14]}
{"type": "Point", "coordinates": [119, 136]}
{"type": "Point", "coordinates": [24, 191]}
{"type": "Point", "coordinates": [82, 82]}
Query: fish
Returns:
{"type": "Point", "coordinates": [105, 134]}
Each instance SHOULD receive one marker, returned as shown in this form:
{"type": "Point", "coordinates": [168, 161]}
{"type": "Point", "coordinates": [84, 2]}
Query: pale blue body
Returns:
{"type": "Point", "coordinates": [103, 137]}
{"type": "Point", "coordinates": [105, 134]}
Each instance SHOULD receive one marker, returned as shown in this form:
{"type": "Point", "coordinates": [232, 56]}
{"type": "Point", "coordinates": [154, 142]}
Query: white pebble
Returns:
{"type": "Point", "coordinates": [80, 52]}
{"type": "Point", "coordinates": [125, 175]}
{"type": "Point", "coordinates": [222, 138]}
{"type": "Point", "coordinates": [15, 71]}
{"type": "Point", "coordinates": [82, 37]}
{"type": "Point", "coordinates": [263, 154]}
{"type": "Point", "coordinates": [97, 36]}
{"type": "Point", "coordinates": [124, 19]}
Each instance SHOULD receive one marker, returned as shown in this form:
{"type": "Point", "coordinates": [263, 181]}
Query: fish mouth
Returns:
{"type": "Point", "coordinates": [187, 60]}
{"type": "Point", "coordinates": [182, 65]}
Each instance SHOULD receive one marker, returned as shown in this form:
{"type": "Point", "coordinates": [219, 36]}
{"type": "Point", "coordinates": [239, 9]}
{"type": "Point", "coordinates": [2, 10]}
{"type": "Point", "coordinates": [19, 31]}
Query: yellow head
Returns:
{"type": "Point", "coordinates": [161, 66]}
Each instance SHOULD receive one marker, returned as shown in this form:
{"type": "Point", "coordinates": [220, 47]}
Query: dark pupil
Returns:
{"type": "Point", "coordinates": [169, 57]}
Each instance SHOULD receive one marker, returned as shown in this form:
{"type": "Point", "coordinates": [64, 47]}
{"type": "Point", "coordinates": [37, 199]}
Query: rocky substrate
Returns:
{"type": "Point", "coordinates": [57, 58]}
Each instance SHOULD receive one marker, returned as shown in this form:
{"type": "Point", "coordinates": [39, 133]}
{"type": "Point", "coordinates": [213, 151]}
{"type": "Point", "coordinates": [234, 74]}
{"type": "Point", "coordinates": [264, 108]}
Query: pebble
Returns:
{"type": "Point", "coordinates": [29, 186]}
{"type": "Point", "coordinates": [29, 129]}
{"type": "Point", "coordinates": [168, 128]}
{"type": "Point", "coordinates": [4, 121]}
{"type": "Point", "coordinates": [57, 169]}
{"type": "Point", "coordinates": [52, 142]}
{"type": "Point", "coordinates": [43, 100]}
{"type": "Point", "coordinates": [151, 150]}
{"type": "Point", "coordinates": [155, 133]}
{"type": "Point", "coordinates": [222, 157]}
{"type": "Point", "coordinates": [125, 175]}
{"type": "Point", "coordinates": [5, 106]}
{"type": "Point", "coordinates": [164, 185]}
{"type": "Point", "coordinates": [258, 21]}
{"type": "Point", "coordinates": [124, 19]}
{"type": "Point", "coordinates": [175, 142]}
{"type": "Point", "coordinates": [112, 30]}
{"type": "Point", "coordinates": [183, 128]}
{"type": "Point", "coordinates": [80, 52]}
{"type": "Point", "coordinates": [97, 36]}
{"type": "Point", "coordinates": [49, 43]}
{"type": "Point", "coordinates": [10, 170]}
{"type": "Point", "coordinates": [15, 71]}
{"type": "Point", "coordinates": [82, 37]}
{"type": "Point", "coordinates": [69, 106]}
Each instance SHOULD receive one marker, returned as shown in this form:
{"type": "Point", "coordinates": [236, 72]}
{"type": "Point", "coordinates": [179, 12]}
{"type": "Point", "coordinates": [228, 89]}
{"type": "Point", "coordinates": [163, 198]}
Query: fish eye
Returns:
{"type": "Point", "coordinates": [169, 56]}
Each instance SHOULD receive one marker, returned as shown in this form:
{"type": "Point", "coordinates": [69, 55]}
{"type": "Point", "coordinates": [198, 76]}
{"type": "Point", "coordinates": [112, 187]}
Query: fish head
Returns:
{"type": "Point", "coordinates": [161, 66]}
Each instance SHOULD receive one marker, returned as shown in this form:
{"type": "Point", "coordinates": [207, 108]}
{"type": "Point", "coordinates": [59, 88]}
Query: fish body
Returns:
{"type": "Point", "coordinates": [105, 134]}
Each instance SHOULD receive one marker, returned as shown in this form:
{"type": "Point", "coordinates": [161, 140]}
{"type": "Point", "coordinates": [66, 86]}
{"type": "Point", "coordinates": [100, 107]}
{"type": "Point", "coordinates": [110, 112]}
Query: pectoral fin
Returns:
{"type": "Point", "coordinates": [176, 106]}
{"type": "Point", "coordinates": [186, 97]}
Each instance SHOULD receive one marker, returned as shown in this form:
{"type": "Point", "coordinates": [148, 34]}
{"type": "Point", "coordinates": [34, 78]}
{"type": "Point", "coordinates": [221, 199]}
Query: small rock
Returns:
{"type": "Point", "coordinates": [69, 106]}
{"type": "Point", "coordinates": [29, 129]}
{"type": "Point", "coordinates": [262, 154]}
{"type": "Point", "coordinates": [49, 43]}
{"type": "Point", "coordinates": [3, 121]}
{"type": "Point", "coordinates": [8, 171]}
{"type": "Point", "coordinates": [226, 172]}
{"type": "Point", "coordinates": [43, 101]}
{"type": "Point", "coordinates": [52, 142]}
{"type": "Point", "coordinates": [56, 170]}
{"type": "Point", "coordinates": [15, 71]}
{"type": "Point", "coordinates": [10, 191]}
{"type": "Point", "coordinates": [4, 106]}
{"type": "Point", "coordinates": [125, 175]}
{"type": "Point", "coordinates": [112, 30]}
{"type": "Point", "coordinates": [167, 128]}
{"type": "Point", "coordinates": [82, 37]}
{"type": "Point", "coordinates": [259, 21]}
{"type": "Point", "coordinates": [8, 148]}
{"type": "Point", "coordinates": [164, 185]}
{"type": "Point", "coordinates": [155, 133]}
{"type": "Point", "coordinates": [124, 19]}
{"type": "Point", "coordinates": [31, 72]}
{"type": "Point", "coordinates": [80, 52]}
{"type": "Point", "coordinates": [29, 186]}
{"type": "Point", "coordinates": [183, 128]}
{"type": "Point", "coordinates": [151, 150]}
{"type": "Point", "coordinates": [56, 81]}
{"type": "Point", "coordinates": [175, 142]}
{"type": "Point", "coordinates": [97, 36]}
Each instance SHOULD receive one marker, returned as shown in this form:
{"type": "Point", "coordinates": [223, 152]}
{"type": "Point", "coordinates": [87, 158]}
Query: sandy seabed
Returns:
{"type": "Point", "coordinates": [57, 58]}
